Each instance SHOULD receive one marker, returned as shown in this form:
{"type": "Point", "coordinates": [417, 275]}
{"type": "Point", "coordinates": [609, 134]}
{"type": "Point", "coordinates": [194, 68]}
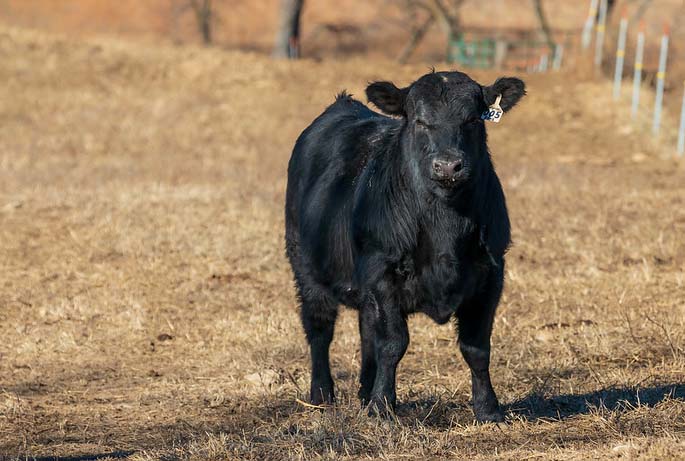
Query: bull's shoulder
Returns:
{"type": "Point", "coordinates": [345, 106]}
{"type": "Point", "coordinates": [347, 131]}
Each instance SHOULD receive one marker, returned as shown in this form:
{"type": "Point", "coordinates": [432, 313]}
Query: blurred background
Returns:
{"type": "Point", "coordinates": [509, 34]}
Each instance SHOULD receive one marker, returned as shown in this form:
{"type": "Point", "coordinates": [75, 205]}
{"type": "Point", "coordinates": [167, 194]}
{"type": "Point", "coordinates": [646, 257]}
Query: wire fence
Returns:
{"type": "Point", "coordinates": [638, 66]}
{"type": "Point", "coordinates": [510, 49]}
{"type": "Point", "coordinates": [525, 51]}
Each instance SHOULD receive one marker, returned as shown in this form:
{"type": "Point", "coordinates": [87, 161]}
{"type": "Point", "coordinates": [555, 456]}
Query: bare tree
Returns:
{"type": "Point", "coordinates": [204, 16]}
{"type": "Point", "coordinates": [446, 12]}
{"type": "Point", "coordinates": [443, 12]}
{"type": "Point", "coordinates": [641, 10]}
{"type": "Point", "coordinates": [544, 25]}
{"type": "Point", "coordinates": [288, 36]}
{"type": "Point", "coordinates": [417, 35]}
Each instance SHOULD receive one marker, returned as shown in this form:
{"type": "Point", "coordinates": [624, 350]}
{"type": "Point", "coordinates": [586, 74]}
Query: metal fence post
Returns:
{"type": "Point", "coordinates": [620, 56]}
{"type": "Point", "coordinates": [681, 131]}
{"type": "Point", "coordinates": [637, 75]}
{"type": "Point", "coordinates": [660, 75]}
{"type": "Point", "coordinates": [543, 62]}
{"type": "Point", "coordinates": [589, 24]}
{"type": "Point", "coordinates": [558, 56]}
{"type": "Point", "coordinates": [601, 29]}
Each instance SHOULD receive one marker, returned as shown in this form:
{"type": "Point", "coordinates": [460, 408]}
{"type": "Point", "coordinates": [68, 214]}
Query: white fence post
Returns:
{"type": "Point", "coordinates": [558, 56]}
{"type": "Point", "coordinates": [589, 24]}
{"type": "Point", "coordinates": [660, 75]}
{"type": "Point", "coordinates": [620, 56]}
{"type": "Point", "coordinates": [601, 29]}
{"type": "Point", "coordinates": [637, 75]}
{"type": "Point", "coordinates": [543, 62]}
{"type": "Point", "coordinates": [681, 132]}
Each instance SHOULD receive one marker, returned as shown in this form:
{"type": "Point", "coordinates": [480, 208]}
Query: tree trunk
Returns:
{"type": "Point", "coordinates": [203, 16]}
{"type": "Point", "coordinates": [206, 22]}
{"type": "Point", "coordinates": [450, 24]}
{"type": "Point", "coordinates": [641, 10]}
{"type": "Point", "coordinates": [415, 39]}
{"type": "Point", "coordinates": [544, 26]}
{"type": "Point", "coordinates": [288, 36]}
{"type": "Point", "coordinates": [610, 7]}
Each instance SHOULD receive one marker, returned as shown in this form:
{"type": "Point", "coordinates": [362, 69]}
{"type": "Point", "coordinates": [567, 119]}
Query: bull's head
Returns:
{"type": "Point", "coordinates": [444, 133]}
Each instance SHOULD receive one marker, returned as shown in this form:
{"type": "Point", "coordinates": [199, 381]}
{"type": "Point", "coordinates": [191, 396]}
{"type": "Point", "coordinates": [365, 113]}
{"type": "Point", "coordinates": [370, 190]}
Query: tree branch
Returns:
{"type": "Point", "coordinates": [416, 37]}
{"type": "Point", "coordinates": [449, 23]}
{"type": "Point", "coordinates": [544, 26]}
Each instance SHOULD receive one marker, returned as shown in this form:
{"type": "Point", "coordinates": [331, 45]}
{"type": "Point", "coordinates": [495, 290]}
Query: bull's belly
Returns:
{"type": "Point", "coordinates": [439, 308]}
{"type": "Point", "coordinates": [440, 300]}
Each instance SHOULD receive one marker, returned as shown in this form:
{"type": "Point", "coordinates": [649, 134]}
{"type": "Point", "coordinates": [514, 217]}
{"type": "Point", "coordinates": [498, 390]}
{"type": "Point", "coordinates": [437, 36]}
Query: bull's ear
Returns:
{"type": "Point", "coordinates": [512, 90]}
{"type": "Point", "coordinates": [387, 97]}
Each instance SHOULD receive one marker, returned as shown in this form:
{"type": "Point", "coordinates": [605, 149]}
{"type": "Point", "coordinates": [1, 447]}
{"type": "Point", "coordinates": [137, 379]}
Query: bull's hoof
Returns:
{"type": "Point", "coordinates": [381, 408]}
{"type": "Point", "coordinates": [364, 396]}
{"type": "Point", "coordinates": [322, 395]}
{"type": "Point", "coordinates": [492, 416]}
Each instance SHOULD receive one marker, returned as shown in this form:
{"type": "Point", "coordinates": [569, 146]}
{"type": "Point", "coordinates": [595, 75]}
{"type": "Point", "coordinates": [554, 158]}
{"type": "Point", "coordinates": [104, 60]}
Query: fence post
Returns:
{"type": "Point", "coordinates": [637, 75]}
{"type": "Point", "coordinates": [681, 132]}
{"type": "Point", "coordinates": [601, 29]}
{"type": "Point", "coordinates": [660, 75]}
{"type": "Point", "coordinates": [620, 56]}
{"type": "Point", "coordinates": [589, 24]}
{"type": "Point", "coordinates": [558, 56]}
{"type": "Point", "coordinates": [543, 62]}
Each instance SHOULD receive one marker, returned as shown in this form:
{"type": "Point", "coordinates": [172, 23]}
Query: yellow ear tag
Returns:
{"type": "Point", "coordinates": [494, 112]}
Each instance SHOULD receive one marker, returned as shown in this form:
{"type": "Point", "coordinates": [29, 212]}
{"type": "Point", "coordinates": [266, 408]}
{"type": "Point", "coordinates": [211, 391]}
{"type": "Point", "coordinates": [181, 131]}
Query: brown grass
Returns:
{"type": "Point", "coordinates": [147, 307]}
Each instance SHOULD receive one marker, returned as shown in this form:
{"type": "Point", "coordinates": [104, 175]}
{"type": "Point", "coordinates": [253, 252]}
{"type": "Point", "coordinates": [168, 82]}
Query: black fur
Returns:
{"type": "Point", "coordinates": [371, 225]}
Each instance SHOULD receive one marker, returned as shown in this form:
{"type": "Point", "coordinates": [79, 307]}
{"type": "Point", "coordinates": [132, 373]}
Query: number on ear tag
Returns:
{"type": "Point", "coordinates": [494, 112]}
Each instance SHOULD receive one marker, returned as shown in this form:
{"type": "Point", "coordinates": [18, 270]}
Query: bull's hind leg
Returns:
{"type": "Point", "coordinates": [318, 318]}
{"type": "Point", "coordinates": [367, 376]}
{"type": "Point", "coordinates": [475, 319]}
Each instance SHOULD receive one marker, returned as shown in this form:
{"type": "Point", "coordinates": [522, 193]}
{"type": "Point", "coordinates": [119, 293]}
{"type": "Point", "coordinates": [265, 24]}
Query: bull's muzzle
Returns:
{"type": "Point", "coordinates": [447, 169]}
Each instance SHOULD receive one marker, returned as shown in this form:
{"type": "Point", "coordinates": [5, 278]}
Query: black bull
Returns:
{"type": "Point", "coordinates": [396, 215]}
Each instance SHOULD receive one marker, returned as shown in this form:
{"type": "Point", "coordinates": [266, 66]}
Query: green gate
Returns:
{"type": "Point", "coordinates": [475, 53]}
{"type": "Point", "coordinates": [515, 49]}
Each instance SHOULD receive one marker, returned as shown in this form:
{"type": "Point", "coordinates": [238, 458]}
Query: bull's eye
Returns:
{"type": "Point", "coordinates": [472, 121]}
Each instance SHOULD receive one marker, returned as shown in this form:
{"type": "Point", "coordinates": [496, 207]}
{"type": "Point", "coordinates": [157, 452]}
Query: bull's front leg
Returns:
{"type": "Point", "coordinates": [391, 341]}
{"type": "Point", "coordinates": [367, 377]}
{"type": "Point", "coordinates": [475, 320]}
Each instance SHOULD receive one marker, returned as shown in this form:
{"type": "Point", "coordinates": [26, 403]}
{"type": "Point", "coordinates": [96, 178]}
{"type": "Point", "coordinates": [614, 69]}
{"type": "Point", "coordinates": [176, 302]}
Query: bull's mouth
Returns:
{"type": "Point", "coordinates": [451, 182]}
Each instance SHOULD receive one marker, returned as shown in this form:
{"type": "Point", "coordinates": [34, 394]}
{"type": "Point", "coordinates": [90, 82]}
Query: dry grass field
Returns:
{"type": "Point", "coordinates": [147, 309]}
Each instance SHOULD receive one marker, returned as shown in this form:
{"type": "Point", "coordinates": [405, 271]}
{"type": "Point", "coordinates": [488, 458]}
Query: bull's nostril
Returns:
{"type": "Point", "coordinates": [453, 167]}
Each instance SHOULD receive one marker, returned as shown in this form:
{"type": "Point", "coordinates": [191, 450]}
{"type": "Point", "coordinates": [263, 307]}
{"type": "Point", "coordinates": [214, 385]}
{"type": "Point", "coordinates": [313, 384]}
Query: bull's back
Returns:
{"type": "Point", "coordinates": [326, 162]}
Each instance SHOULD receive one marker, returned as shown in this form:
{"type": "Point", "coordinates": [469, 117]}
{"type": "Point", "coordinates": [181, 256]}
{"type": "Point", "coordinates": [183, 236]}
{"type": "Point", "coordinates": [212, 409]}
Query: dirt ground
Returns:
{"type": "Point", "coordinates": [148, 312]}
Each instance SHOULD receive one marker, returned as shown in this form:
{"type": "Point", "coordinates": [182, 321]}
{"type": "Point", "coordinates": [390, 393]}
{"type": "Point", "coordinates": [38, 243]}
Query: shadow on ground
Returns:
{"type": "Point", "coordinates": [536, 406]}
{"type": "Point", "coordinates": [437, 413]}
{"type": "Point", "coordinates": [273, 422]}
{"type": "Point", "coordinates": [90, 457]}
